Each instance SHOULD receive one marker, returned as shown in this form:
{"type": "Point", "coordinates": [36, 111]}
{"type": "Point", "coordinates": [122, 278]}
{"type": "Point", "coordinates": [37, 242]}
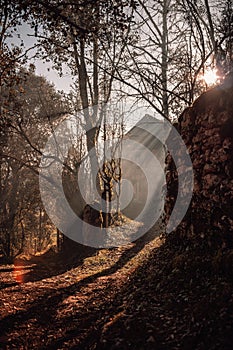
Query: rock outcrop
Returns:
{"type": "Point", "coordinates": [207, 130]}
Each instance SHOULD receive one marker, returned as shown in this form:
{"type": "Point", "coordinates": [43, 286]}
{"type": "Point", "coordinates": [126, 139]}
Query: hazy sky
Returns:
{"type": "Point", "coordinates": [61, 83]}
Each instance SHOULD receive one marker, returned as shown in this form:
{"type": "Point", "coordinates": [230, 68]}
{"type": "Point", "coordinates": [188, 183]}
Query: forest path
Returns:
{"type": "Point", "coordinates": [71, 309]}
{"type": "Point", "coordinates": [148, 295]}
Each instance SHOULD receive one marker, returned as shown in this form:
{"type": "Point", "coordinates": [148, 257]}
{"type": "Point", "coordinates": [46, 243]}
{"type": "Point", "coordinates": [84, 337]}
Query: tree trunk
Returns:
{"type": "Point", "coordinates": [164, 67]}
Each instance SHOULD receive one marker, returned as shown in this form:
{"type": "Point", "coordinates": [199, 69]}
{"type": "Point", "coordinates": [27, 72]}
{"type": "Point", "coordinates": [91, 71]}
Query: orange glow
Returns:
{"type": "Point", "coordinates": [19, 271]}
{"type": "Point", "coordinates": [22, 269]}
{"type": "Point", "coordinates": [210, 76]}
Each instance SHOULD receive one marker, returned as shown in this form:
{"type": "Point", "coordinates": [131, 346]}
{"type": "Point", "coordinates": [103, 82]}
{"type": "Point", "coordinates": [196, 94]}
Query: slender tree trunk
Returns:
{"type": "Point", "coordinates": [164, 46]}
{"type": "Point", "coordinates": [92, 126]}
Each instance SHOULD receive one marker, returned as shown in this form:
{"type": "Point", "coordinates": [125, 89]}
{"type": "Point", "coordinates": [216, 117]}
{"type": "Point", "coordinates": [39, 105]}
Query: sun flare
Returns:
{"type": "Point", "coordinates": [210, 76]}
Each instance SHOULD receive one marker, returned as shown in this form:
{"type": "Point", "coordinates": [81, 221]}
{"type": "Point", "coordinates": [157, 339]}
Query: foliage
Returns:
{"type": "Point", "coordinates": [28, 119]}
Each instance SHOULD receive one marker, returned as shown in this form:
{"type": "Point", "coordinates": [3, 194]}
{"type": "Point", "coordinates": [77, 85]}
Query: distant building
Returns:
{"type": "Point", "coordinates": [150, 135]}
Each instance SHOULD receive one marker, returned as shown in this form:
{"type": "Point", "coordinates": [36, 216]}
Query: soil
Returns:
{"type": "Point", "coordinates": [151, 294]}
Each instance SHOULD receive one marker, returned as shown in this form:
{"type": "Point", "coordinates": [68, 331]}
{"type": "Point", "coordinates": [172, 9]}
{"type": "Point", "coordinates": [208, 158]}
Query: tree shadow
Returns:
{"type": "Point", "coordinates": [45, 307]}
{"type": "Point", "coordinates": [4, 285]}
{"type": "Point", "coordinates": [52, 263]}
{"type": "Point", "coordinates": [8, 270]}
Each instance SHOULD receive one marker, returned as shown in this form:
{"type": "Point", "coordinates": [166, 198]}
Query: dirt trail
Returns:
{"type": "Point", "coordinates": [71, 308]}
{"type": "Point", "coordinates": [145, 296]}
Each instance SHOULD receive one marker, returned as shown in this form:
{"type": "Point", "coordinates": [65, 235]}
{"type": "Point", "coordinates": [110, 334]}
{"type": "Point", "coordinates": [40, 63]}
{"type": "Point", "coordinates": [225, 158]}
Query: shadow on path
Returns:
{"type": "Point", "coordinates": [45, 306]}
{"type": "Point", "coordinates": [51, 263]}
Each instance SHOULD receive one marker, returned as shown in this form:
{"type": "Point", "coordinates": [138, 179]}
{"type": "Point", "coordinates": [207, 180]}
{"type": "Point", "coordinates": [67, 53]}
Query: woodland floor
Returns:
{"type": "Point", "coordinates": [148, 295]}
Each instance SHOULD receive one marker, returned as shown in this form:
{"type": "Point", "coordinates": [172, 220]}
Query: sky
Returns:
{"type": "Point", "coordinates": [133, 113]}
{"type": "Point", "coordinates": [42, 68]}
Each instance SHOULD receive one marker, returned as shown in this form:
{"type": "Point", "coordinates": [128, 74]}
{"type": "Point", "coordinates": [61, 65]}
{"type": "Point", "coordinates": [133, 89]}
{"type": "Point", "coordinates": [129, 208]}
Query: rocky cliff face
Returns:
{"type": "Point", "coordinates": [207, 130]}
